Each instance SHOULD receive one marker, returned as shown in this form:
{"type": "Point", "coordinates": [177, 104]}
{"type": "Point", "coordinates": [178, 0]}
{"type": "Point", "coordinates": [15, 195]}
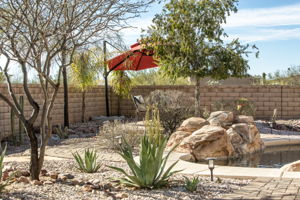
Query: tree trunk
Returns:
{"type": "Point", "coordinates": [83, 107]}
{"type": "Point", "coordinates": [197, 97]}
{"type": "Point", "coordinates": [66, 96]}
{"type": "Point", "coordinates": [34, 158]}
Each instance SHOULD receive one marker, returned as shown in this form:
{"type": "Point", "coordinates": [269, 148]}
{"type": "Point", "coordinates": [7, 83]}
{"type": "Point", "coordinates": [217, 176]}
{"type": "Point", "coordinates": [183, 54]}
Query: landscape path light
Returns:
{"type": "Point", "coordinates": [119, 138]}
{"type": "Point", "coordinates": [211, 166]}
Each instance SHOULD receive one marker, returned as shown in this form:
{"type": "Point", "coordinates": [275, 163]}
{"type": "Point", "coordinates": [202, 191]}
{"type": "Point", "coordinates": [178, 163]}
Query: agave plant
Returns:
{"type": "Point", "coordinates": [191, 184]}
{"type": "Point", "coordinates": [150, 171]}
{"type": "Point", "coordinates": [89, 163]}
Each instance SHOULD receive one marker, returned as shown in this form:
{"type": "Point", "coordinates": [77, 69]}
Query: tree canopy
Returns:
{"type": "Point", "coordinates": [189, 40]}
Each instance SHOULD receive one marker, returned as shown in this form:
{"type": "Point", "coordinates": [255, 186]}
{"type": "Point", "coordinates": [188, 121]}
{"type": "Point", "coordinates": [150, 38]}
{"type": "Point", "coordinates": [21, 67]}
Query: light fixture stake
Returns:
{"type": "Point", "coordinates": [211, 166]}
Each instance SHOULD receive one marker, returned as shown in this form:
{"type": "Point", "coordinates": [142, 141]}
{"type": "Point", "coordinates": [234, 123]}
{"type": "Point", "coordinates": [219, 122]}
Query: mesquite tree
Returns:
{"type": "Point", "coordinates": [41, 38]}
{"type": "Point", "coordinates": [188, 41]}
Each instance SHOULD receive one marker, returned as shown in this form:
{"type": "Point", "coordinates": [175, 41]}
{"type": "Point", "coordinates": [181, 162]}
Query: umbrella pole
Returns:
{"type": "Point", "coordinates": [105, 80]}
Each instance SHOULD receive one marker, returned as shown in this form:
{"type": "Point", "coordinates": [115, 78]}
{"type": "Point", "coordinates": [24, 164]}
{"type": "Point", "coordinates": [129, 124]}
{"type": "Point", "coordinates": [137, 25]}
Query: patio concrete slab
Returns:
{"type": "Point", "coordinates": [277, 140]}
{"type": "Point", "coordinates": [243, 172]}
{"type": "Point", "coordinates": [291, 175]}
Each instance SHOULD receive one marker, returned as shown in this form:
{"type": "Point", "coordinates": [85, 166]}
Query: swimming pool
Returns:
{"type": "Point", "coordinates": [271, 157]}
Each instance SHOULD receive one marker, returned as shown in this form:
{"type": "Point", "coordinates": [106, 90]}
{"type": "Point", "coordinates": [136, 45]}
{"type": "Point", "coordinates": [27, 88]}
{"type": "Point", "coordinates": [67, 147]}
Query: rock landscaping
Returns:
{"type": "Point", "coordinates": [65, 182]}
{"type": "Point", "coordinates": [222, 136]}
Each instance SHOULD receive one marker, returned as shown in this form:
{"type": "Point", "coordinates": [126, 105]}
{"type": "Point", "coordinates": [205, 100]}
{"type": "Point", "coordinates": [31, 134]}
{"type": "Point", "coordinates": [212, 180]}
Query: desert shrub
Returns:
{"type": "Point", "coordinates": [150, 171]}
{"type": "Point", "coordinates": [191, 184]}
{"type": "Point", "coordinates": [112, 131]}
{"type": "Point", "coordinates": [173, 107]}
{"type": "Point", "coordinates": [88, 163]}
{"type": "Point", "coordinates": [240, 106]}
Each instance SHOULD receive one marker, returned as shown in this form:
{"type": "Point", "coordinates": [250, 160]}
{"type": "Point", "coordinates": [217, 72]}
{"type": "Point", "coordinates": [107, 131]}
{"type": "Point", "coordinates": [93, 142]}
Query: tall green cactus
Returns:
{"type": "Point", "coordinates": [21, 127]}
{"type": "Point", "coordinates": [12, 127]}
{"type": "Point", "coordinates": [17, 137]}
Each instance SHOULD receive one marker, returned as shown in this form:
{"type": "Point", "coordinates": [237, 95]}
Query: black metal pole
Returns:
{"type": "Point", "coordinates": [105, 80]}
{"type": "Point", "coordinates": [211, 174]}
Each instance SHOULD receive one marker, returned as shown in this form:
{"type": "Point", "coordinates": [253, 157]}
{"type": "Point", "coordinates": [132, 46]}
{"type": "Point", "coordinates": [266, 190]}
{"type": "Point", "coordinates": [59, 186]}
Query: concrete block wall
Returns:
{"type": "Point", "coordinates": [95, 105]}
{"type": "Point", "coordinates": [286, 99]}
{"type": "Point", "coordinates": [266, 98]}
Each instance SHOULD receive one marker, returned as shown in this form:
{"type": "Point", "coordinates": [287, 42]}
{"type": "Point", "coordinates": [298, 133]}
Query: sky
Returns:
{"type": "Point", "coordinates": [272, 25]}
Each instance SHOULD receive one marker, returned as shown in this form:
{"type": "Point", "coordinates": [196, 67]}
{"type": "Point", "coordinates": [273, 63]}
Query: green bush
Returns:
{"type": "Point", "coordinates": [240, 106]}
{"type": "Point", "coordinates": [89, 163]}
{"type": "Point", "coordinates": [149, 172]}
{"type": "Point", "coordinates": [191, 184]}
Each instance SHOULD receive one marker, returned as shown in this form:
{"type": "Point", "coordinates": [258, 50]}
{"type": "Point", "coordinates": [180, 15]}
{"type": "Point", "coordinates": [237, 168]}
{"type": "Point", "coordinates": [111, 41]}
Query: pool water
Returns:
{"type": "Point", "coordinates": [271, 157]}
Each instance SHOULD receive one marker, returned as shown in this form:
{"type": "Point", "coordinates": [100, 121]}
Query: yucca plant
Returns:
{"type": "Point", "coordinates": [150, 171]}
{"type": "Point", "coordinates": [89, 163]}
{"type": "Point", "coordinates": [191, 184]}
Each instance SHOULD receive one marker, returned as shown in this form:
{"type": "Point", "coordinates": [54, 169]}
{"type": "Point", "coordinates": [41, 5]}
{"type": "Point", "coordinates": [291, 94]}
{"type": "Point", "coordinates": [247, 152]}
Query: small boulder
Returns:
{"type": "Point", "coordinates": [5, 176]}
{"type": "Point", "coordinates": [44, 172]}
{"type": "Point", "coordinates": [95, 182]}
{"type": "Point", "coordinates": [48, 182]}
{"type": "Point", "coordinates": [192, 124]}
{"type": "Point", "coordinates": [221, 118]}
{"type": "Point", "coordinates": [53, 175]}
{"type": "Point", "coordinates": [23, 179]}
{"type": "Point", "coordinates": [25, 173]}
{"type": "Point", "coordinates": [121, 196]}
{"type": "Point", "coordinates": [75, 182]}
{"type": "Point", "coordinates": [62, 177]}
{"type": "Point", "coordinates": [36, 182]}
{"type": "Point", "coordinates": [87, 188]}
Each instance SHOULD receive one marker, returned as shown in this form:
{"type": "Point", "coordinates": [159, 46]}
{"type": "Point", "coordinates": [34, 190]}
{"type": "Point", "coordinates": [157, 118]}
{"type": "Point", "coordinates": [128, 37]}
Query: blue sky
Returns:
{"type": "Point", "coordinates": [272, 25]}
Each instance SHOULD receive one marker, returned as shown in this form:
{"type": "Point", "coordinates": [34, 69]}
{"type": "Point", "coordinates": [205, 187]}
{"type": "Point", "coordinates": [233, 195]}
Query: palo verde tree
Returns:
{"type": "Point", "coordinates": [188, 41]}
{"type": "Point", "coordinates": [41, 37]}
{"type": "Point", "coordinates": [84, 71]}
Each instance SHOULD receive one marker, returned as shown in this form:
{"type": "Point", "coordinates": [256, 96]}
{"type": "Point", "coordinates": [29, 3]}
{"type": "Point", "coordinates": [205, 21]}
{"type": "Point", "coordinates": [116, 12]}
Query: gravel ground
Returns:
{"type": "Point", "coordinates": [66, 191]}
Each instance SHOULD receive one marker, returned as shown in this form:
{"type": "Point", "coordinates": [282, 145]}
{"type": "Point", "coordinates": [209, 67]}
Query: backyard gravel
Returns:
{"type": "Point", "coordinates": [64, 190]}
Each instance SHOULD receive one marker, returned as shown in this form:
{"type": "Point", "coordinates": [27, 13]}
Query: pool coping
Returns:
{"type": "Point", "coordinates": [239, 172]}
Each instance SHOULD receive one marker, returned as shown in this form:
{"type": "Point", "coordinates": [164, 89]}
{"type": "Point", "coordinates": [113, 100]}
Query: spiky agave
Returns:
{"type": "Point", "coordinates": [150, 171]}
{"type": "Point", "coordinates": [89, 163]}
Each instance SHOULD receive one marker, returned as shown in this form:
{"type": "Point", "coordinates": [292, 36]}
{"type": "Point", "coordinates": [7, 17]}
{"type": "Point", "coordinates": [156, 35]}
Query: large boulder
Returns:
{"type": "Point", "coordinates": [192, 124]}
{"type": "Point", "coordinates": [209, 141]}
{"type": "Point", "coordinates": [221, 118]}
{"type": "Point", "coordinates": [245, 138]}
{"type": "Point", "coordinates": [223, 135]}
{"type": "Point", "coordinates": [244, 119]}
{"type": "Point", "coordinates": [236, 140]}
{"type": "Point", "coordinates": [176, 138]}
{"type": "Point", "coordinates": [243, 130]}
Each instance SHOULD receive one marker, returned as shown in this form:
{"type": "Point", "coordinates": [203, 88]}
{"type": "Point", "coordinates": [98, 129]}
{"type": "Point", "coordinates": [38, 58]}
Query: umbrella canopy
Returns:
{"type": "Point", "coordinates": [135, 59]}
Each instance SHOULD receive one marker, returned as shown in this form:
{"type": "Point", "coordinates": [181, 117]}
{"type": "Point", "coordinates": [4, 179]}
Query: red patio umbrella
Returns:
{"type": "Point", "coordinates": [137, 58]}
